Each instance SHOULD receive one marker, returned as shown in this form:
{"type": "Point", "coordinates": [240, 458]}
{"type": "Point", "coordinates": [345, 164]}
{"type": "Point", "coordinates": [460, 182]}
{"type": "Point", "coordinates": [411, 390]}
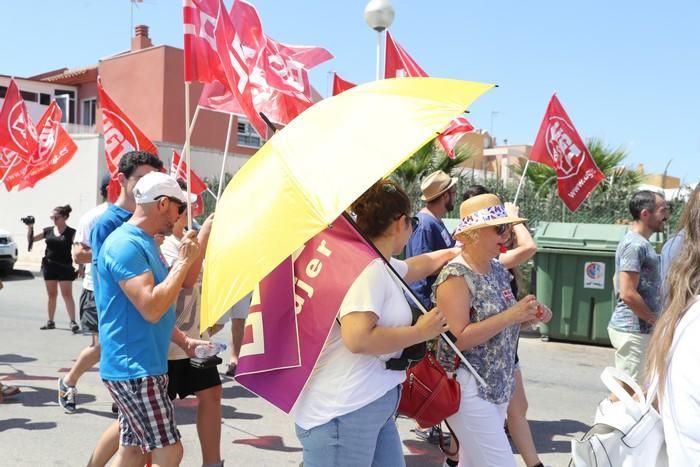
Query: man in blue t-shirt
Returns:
{"type": "Point", "coordinates": [638, 284]}
{"type": "Point", "coordinates": [136, 318]}
{"type": "Point", "coordinates": [430, 234]}
{"type": "Point", "coordinates": [132, 166]}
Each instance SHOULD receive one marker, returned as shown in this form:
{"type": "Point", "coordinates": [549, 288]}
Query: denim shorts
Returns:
{"type": "Point", "coordinates": [364, 437]}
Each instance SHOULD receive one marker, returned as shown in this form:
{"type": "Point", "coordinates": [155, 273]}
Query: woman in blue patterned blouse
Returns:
{"type": "Point", "coordinates": [474, 293]}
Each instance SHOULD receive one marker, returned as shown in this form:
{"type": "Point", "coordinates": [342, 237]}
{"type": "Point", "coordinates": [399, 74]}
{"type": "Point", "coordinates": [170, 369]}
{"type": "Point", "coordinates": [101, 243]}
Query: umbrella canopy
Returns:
{"type": "Point", "coordinates": [303, 178]}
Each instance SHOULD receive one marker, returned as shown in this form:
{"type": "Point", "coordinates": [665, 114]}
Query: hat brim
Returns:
{"type": "Point", "coordinates": [491, 223]}
{"type": "Point", "coordinates": [453, 182]}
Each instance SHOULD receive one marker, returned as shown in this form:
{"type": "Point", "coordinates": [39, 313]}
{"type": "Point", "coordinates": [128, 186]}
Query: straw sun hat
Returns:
{"type": "Point", "coordinates": [483, 211]}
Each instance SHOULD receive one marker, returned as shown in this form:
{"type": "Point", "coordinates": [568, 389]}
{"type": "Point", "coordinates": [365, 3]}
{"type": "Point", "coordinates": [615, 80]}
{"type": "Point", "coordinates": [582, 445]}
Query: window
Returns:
{"type": "Point", "coordinates": [66, 101]}
{"type": "Point", "coordinates": [29, 96]}
{"type": "Point", "coordinates": [44, 99]}
{"type": "Point", "coordinates": [247, 136]}
{"type": "Point", "coordinates": [3, 91]}
{"type": "Point", "coordinates": [87, 111]}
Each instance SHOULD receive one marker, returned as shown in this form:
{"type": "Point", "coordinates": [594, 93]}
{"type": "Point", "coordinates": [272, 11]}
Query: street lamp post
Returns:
{"type": "Point", "coordinates": [379, 14]}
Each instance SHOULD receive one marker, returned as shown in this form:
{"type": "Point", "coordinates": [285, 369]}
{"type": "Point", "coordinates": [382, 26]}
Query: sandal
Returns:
{"type": "Point", "coordinates": [231, 370]}
{"type": "Point", "coordinates": [49, 325]}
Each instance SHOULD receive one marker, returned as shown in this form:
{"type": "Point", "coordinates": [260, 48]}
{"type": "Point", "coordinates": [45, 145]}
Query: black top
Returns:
{"type": "Point", "coordinates": [58, 247]}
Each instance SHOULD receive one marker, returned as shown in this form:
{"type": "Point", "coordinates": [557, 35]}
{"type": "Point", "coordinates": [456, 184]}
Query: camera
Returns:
{"type": "Point", "coordinates": [28, 220]}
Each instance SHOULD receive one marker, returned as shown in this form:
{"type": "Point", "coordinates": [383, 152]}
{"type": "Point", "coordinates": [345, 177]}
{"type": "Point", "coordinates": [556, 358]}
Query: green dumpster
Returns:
{"type": "Point", "coordinates": [574, 266]}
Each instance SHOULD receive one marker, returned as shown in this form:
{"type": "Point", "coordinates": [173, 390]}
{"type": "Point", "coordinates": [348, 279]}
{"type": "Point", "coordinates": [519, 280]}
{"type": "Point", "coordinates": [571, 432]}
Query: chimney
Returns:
{"type": "Point", "coordinates": [140, 40]}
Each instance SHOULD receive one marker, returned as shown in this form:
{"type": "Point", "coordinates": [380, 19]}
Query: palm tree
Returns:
{"type": "Point", "coordinates": [429, 158]}
{"type": "Point", "coordinates": [543, 179]}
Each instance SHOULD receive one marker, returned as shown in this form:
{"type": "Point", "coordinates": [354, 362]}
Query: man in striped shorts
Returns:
{"type": "Point", "coordinates": [135, 295]}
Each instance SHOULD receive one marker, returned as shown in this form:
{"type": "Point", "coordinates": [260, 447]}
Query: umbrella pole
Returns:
{"type": "Point", "coordinates": [448, 337]}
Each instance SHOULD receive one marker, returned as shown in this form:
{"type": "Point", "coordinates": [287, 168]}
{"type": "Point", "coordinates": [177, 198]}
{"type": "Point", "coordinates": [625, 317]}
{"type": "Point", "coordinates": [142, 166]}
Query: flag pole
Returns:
{"type": "Point", "coordinates": [223, 160]}
{"type": "Point", "coordinates": [522, 178]}
{"type": "Point", "coordinates": [188, 131]}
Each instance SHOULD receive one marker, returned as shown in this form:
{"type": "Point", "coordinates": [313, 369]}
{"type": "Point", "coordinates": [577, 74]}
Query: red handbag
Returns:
{"type": "Point", "coordinates": [429, 395]}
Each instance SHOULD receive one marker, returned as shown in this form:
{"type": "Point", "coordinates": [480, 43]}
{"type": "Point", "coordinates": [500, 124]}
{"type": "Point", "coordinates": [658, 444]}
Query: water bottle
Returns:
{"type": "Point", "coordinates": [209, 350]}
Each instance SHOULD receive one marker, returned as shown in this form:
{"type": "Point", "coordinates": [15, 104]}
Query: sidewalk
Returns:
{"type": "Point", "coordinates": [561, 380]}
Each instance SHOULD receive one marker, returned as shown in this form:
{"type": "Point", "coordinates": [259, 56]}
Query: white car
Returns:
{"type": "Point", "coordinates": [8, 251]}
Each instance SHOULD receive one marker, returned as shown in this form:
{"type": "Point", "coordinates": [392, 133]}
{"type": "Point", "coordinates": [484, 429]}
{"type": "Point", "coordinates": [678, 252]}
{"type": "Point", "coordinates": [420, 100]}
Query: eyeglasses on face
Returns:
{"type": "Point", "coordinates": [180, 205]}
{"type": "Point", "coordinates": [503, 228]}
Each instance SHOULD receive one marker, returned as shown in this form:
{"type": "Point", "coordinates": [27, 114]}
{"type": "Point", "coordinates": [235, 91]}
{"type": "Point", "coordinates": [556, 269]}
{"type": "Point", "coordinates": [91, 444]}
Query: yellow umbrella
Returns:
{"type": "Point", "coordinates": [311, 171]}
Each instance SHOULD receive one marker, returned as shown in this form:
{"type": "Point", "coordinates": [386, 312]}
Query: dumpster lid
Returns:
{"type": "Point", "coordinates": [579, 236]}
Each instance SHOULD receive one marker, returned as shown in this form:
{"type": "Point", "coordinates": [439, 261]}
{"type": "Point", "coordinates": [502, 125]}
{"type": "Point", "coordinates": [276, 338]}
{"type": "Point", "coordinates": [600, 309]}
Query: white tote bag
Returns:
{"type": "Point", "coordinates": [627, 433]}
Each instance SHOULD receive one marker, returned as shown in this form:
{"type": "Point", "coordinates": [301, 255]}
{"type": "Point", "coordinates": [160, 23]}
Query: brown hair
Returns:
{"type": "Point", "coordinates": [63, 210]}
{"type": "Point", "coordinates": [379, 206]}
{"type": "Point", "coordinates": [683, 284]}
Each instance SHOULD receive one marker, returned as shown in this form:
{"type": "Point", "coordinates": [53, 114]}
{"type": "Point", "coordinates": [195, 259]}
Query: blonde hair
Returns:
{"type": "Point", "coordinates": [468, 237]}
{"type": "Point", "coordinates": [682, 284]}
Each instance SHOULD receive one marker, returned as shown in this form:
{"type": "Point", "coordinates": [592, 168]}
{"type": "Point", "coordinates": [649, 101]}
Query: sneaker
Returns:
{"type": "Point", "coordinates": [74, 327]}
{"type": "Point", "coordinates": [66, 396]}
{"type": "Point", "coordinates": [49, 325]}
{"type": "Point", "coordinates": [231, 370]}
{"type": "Point", "coordinates": [431, 435]}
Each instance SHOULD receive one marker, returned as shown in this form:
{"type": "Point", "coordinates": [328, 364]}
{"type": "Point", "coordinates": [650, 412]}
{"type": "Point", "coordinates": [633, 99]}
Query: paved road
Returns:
{"type": "Point", "coordinates": [562, 383]}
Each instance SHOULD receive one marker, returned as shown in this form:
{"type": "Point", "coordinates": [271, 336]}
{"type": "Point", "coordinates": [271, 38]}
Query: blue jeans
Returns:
{"type": "Point", "coordinates": [363, 438]}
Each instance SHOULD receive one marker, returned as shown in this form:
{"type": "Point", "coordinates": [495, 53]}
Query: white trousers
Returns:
{"type": "Point", "coordinates": [478, 425]}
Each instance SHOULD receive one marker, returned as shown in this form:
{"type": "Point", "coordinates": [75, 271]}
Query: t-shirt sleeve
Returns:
{"type": "Point", "coordinates": [366, 294]}
{"type": "Point", "coordinates": [126, 259]}
{"type": "Point", "coordinates": [631, 258]}
{"type": "Point", "coordinates": [399, 266]}
{"type": "Point", "coordinates": [82, 234]}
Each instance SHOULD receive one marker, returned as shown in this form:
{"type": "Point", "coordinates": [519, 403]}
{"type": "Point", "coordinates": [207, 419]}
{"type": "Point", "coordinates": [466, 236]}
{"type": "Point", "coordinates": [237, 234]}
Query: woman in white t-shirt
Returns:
{"type": "Point", "coordinates": [345, 415]}
{"type": "Point", "coordinates": [674, 348]}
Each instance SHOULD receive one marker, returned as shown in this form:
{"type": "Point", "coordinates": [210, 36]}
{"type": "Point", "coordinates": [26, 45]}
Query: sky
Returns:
{"type": "Point", "coordinates": [625, 71]}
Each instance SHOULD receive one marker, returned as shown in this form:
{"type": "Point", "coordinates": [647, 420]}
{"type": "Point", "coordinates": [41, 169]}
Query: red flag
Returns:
{"type": "Point", "coordinates": [202, 61]}
{"type": "Point", "coordinates": [121, 135]}
{"type": "Point", "coordinates": [398, 63]}
{"type": "Point", "coordinates": [451, 136]}
{"type": "Point", "coordinates": [178, 170]}
{"type": "Point", "coordinates": [340, 85]}
{"type": "Point", "coordinates": [279, 83]}
{"type": "Point", "coordinates": [17, 131]}
{"type": "Point", "coordinates": [229, 42]}
{"type": "Point", "coordinates": [559, 146]}
{"type": "Point", "coordinates": [56, 148]}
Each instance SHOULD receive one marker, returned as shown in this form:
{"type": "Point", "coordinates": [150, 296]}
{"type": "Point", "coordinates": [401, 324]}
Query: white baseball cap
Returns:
{"type": "Point", "coordinates": [156, 185]}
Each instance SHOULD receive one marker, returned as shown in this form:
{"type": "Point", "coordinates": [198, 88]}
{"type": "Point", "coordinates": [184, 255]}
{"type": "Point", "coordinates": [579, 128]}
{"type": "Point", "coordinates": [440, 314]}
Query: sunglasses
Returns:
{"type": "Point", "coordinates": [180, 205]}
{"type": "Point", "coordinates": [53, 218]}
{"type": "Point", "coordinates": [503, 228]}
